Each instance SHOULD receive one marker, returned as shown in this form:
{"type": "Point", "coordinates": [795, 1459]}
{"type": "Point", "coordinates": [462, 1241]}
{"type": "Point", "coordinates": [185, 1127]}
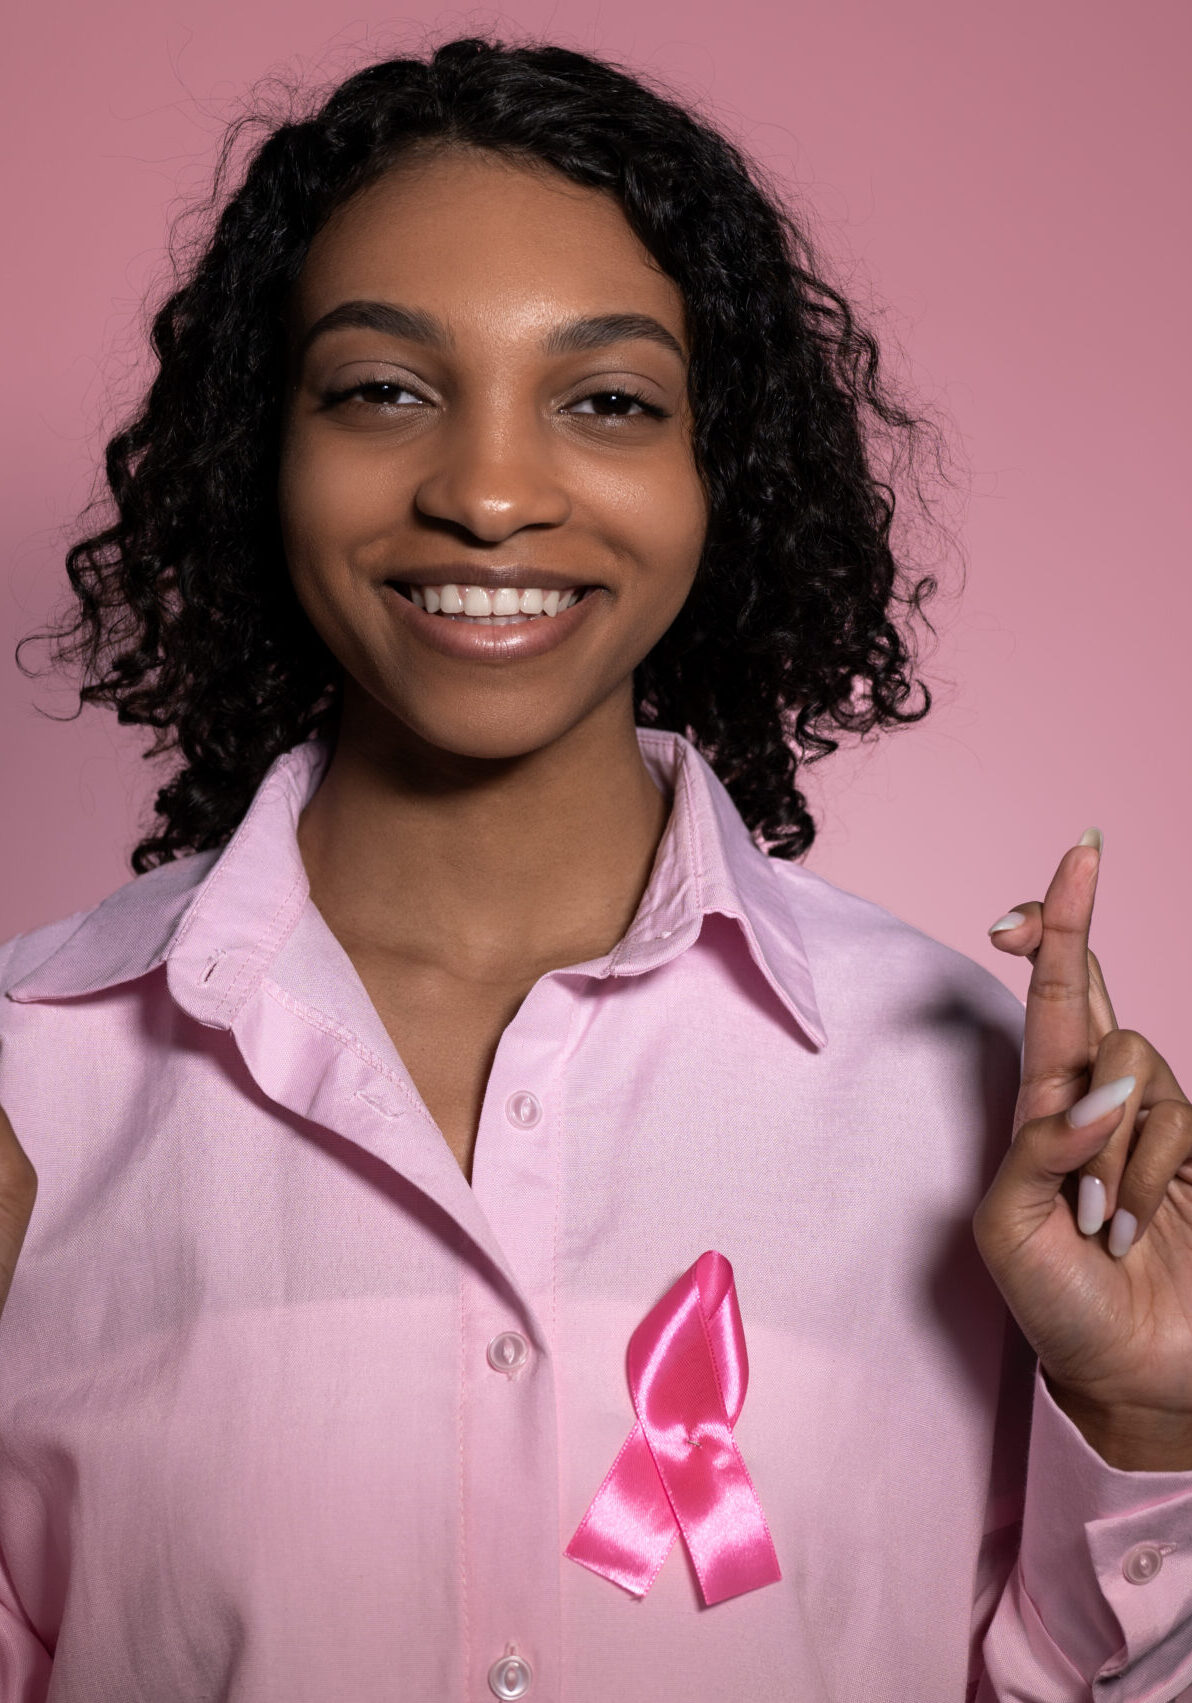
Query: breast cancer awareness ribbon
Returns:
{"type": "Point", "coordinates": [679, 1470]}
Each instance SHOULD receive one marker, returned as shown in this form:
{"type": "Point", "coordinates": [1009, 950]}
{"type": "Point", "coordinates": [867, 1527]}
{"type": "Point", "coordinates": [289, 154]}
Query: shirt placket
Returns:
{"type": "Point", "coordinates": [508, 1428]}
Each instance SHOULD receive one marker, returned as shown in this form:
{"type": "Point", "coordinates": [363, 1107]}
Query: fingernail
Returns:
{"type": "Point", "coordinates": [1092, 837]}
{"type": "Point", "coordinates": [1010, 920]}
{"type": "Point", "coordinates": [1090, 1206]}
{"type": "Point", "coordinates": [1100, 1101]}
{"type": "Point", "coordinates": [1121, 1232]}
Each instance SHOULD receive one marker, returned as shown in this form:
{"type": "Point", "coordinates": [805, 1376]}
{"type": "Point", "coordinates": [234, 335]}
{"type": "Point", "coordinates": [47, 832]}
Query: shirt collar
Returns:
{"type": "Point", "coordinates": [218, 919]}
{"type": "Point", "coordinates": [709, 862]}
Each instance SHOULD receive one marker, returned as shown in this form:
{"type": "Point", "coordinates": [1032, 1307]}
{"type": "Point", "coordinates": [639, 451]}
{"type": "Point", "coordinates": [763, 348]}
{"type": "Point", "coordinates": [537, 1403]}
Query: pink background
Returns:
{"type": "Point", "coordinates": [1005, 184]}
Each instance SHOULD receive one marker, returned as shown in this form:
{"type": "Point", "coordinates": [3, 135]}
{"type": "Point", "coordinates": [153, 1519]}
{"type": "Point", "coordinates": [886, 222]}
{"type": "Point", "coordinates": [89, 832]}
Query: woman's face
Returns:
{"type": "Point", "coordinates": [488, 391]}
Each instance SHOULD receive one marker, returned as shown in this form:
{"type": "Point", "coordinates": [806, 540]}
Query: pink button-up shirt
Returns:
{"type": "Point", "coordinates": [289, 1413]}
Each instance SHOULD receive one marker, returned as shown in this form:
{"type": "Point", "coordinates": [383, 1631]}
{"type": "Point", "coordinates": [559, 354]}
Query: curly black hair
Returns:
{"type": "Point", "coordinates": [183, 615]}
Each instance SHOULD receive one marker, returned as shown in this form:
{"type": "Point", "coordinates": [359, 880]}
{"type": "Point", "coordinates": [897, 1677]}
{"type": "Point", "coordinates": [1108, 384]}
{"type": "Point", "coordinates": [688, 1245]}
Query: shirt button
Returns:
{"type": "Point", "coordinates": [1142, 1563]}
{"type": "Point", "coordinates": [506, 1353]}
{"type": "Point", "coordinates": [524, 1110]}
{"type": "Point", "coordinates": [509, 1676]}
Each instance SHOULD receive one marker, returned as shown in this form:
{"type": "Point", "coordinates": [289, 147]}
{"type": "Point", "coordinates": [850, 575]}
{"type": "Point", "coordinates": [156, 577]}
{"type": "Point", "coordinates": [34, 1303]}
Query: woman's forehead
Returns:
{"type": "Point", "coordinates": [468, 234]}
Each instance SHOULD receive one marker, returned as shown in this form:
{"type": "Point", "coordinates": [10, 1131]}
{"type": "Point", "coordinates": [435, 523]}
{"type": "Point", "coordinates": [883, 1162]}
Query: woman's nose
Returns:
{"type": "Point", "coordinates": [492, 480]}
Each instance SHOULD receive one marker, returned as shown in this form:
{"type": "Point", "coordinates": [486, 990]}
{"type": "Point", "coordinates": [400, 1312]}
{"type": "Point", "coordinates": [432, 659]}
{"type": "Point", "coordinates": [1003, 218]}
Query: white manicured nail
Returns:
{"type": "Point", "coordinates": [1092, 837]}
{"type": "Point", "coordinates": [1090, 1205]}
{"type": "Point", "coordinates": [1121, 1232]}
{"type": "Point", "coordinates": [1100, 1101]}
{"type": "Point", "coordinates": [1010, 920]}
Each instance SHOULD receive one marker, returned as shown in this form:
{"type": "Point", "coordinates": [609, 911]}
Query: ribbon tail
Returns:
{"type": "Point", "coordinates": [629, 1528]}
{"type": "Point", "coordinates": [684, 1359]}
{"type": "Point", "coordinates": [723, 1525]}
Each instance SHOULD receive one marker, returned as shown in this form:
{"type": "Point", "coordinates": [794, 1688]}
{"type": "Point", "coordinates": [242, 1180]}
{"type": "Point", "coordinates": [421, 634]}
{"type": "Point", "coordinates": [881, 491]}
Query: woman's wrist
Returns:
{"type": "Point", "coordinates": [1130, 1439]}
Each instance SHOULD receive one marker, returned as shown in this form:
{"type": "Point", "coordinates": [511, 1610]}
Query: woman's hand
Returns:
{"type": "Point", "coordinates": [18, 1188]}
{"type": "Point", "coordinates": [1107, 1311]}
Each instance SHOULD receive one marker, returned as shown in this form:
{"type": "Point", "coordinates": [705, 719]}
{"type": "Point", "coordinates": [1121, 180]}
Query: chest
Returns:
{"type": "Point", "coordinates": [446, 1031]}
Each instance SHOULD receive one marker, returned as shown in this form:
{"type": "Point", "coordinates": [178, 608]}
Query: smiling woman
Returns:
{"type": "Point", "coordinates": [790, 634]}
{"type": "Point", "coordinates": [450, 428]}
{"type": "Point", "coordinates": [472, 1159]}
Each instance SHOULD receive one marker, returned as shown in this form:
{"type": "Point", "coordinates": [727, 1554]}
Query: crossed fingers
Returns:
{"type": "Point", "coordinates": [1077, 1060]}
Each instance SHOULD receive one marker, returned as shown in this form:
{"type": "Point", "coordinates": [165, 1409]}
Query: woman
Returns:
{"type": "Point", "coordinates": [498, 1231]}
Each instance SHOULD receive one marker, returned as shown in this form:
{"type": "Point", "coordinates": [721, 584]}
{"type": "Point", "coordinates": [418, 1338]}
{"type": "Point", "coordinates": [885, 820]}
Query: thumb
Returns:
{"type": "Point", "coordinates": [1044, 1152]}
{"type": "Point", "coordinates": [18, 1189]}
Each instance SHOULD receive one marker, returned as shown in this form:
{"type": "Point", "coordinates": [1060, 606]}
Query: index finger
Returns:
{"type": "Point", "coordinates": [1055, 1050]}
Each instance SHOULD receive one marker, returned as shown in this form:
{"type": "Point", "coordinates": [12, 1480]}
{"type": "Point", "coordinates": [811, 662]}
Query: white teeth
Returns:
{"type": "Point", "coordinates": [478, 603]}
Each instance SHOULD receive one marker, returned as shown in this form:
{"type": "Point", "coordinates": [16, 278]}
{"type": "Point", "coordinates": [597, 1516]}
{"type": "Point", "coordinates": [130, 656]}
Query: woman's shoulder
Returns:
{"type": "Point", "coordinates": [867, 954]}
{"type": "Point", "coordinates": [22, 953]}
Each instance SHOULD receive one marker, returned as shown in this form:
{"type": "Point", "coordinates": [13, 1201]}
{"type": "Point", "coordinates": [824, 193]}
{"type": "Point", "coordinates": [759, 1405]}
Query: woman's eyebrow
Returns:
{"type": "Point", "coordinates": [412, 324]}
{"type": "Point", "coordinates": [599, 331]}
{"type": "Point", "coordinates": [415, 325]}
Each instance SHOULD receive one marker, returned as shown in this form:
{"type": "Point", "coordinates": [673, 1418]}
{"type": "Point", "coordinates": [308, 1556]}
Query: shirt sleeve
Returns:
{"type": "Point", "coordinates": [25, 1662]}
{"type": "Point", "coordinates": [1097, 1605]}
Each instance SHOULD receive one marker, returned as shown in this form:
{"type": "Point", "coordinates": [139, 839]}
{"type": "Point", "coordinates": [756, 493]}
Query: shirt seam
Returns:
{"type": "Point", "coordinates": [572, 1016]}
{"type": "Point", "coordinates": [264, 952]}
{"type": "Point", "coordinates": [465, 1623]}
{"type": "Point", "coordinates": [326, 1025]}
{"type": "Point", "coordinates": [219, 873]}
{"type": "Point", "coordinates": [687, 849]}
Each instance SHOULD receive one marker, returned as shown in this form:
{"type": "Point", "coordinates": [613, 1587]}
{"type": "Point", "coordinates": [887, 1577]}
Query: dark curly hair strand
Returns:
{"type": "Point", "coordinates": [183, 616]}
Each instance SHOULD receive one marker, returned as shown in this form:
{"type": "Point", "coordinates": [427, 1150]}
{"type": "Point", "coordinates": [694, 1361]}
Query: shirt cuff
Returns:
{"type": "Point", "coordinates": [1106, 1559]}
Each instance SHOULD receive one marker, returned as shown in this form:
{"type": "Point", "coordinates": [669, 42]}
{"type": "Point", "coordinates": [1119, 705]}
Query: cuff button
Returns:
{"type": "Point", "coordinates": [1142, 1563]}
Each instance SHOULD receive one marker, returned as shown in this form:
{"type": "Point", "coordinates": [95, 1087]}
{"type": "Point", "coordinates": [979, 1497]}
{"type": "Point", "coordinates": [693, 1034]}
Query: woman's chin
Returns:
{"type": "Point", "coordinates": [483, 730]}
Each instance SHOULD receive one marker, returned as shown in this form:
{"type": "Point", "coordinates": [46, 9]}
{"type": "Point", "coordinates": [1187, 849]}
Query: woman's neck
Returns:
{"type": "Point", "coordinates": [485, 866]}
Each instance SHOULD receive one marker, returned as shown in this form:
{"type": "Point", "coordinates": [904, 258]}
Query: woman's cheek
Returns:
{"type": "Point", "coordinates": [333, 508]}
{"type": "Point", "coordinates": [677, 523]}
{"type": "Point", "coordinates": [658, 516]}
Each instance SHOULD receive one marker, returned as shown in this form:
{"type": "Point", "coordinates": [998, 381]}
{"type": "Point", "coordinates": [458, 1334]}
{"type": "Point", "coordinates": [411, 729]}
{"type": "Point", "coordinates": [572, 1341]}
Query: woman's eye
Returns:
{"type": "Point", "coordinates": [617, 404]}
{"type": "Point", "coordinates": [380, 393]}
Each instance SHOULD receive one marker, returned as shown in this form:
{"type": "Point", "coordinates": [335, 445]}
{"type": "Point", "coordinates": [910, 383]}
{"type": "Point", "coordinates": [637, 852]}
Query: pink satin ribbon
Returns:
{"type": "Point", "coordinates": [679, 1470]}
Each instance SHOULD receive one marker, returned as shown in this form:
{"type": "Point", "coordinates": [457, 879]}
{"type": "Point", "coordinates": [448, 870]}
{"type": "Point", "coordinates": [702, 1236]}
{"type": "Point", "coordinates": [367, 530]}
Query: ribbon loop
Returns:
{"type": "Point", "coordinates": [679, 1471]}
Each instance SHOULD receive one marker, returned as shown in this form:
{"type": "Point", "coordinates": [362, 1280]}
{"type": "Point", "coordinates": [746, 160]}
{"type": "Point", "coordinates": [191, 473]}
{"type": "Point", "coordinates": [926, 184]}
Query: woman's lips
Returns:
{"type": "Point", "coordinates": [493, 640]}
